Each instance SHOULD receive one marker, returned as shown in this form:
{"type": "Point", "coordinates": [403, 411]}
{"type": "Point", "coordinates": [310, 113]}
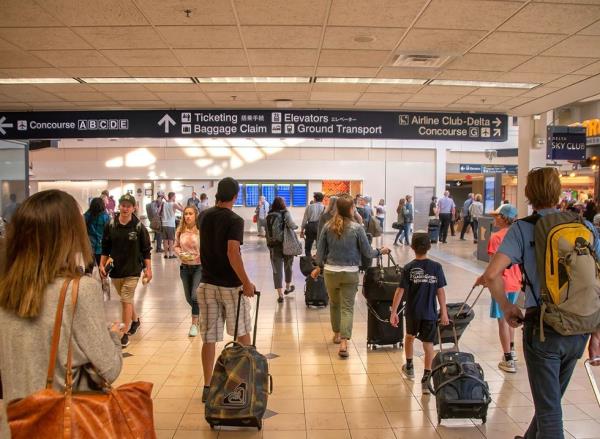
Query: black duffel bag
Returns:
{"type": "Point", "coordinates": [380, 282]}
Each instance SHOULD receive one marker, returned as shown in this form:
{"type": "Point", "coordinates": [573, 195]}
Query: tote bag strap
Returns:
{"type": "Point", "coordinates": [56, 333]}
{"type": "Point", "coordinates": [69, 377]}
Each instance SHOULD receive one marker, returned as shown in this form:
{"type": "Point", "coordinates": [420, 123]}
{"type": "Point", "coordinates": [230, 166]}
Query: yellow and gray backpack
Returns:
{"type": "Point", "coordinates": [568, 271]}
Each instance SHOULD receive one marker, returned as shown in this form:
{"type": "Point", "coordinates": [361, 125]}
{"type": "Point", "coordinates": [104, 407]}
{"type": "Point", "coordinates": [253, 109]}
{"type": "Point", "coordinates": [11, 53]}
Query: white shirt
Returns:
{"type": "Point", "coordinates": [168, 214]}
{"type": "Point", "coordinates": [341, 268]}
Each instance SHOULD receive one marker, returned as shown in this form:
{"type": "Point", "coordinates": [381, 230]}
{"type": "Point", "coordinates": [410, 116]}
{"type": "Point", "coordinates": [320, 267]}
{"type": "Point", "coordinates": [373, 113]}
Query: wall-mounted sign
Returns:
{"type": "Point", "coordinates": [255, 123]}
{"type": "Point", "coordinates": [487, 169]}
{"type": "Point", "coordinates": [566, 143]}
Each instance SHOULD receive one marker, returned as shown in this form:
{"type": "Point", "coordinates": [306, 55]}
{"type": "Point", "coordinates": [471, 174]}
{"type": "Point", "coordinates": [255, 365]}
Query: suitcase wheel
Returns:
{"type": "Point", "coordinates": [259, 424]}
{"type": "Point", "coordinates": [212, 426]}
{"type": "Point", "coordinates": [483, 419]}
{"type": "Point", "coordinates": [439, 419]}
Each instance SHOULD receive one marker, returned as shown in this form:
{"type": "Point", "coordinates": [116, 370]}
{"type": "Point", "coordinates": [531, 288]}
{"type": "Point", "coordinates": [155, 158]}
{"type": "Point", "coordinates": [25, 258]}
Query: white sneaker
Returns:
{"type": "Point", "coordinates": [193, 330]}
{"type": "Point", "coordinates": [513, 354]}
{"type": "Point", "coordinates": [508, 366]}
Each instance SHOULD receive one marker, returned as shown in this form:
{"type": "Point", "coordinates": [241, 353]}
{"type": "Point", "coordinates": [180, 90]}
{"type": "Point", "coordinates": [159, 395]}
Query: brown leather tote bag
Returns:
{"type": "Point", "coordinates": [122, 412]}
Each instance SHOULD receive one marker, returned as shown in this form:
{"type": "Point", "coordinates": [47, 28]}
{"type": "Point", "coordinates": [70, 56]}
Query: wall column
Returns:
{"type": "Point", "coordinates": [441, 158]}
{"type": "Point", "coordinates": [530, 156]}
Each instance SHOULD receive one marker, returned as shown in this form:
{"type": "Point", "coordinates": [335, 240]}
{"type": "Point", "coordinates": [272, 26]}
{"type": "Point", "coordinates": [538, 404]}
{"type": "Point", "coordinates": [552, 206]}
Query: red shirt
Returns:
{"type": "Point", "coordinates": [512, 276]}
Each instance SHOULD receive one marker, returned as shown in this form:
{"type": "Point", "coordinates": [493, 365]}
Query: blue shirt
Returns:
{"type": "Point", "coordinates": [446, 205]}
{"type": "Point", "coordinates": [95, 229]}
{"type": "Point", "coordinates": [466, 206]}
{"type": "Point", "coordinates": [421, 280]}
{"type": "Point", "coordinates": [517, 246]}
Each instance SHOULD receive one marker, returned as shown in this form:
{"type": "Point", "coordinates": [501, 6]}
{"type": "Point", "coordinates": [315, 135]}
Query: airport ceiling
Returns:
{"type": "Point", "coordinates": [549, 50]}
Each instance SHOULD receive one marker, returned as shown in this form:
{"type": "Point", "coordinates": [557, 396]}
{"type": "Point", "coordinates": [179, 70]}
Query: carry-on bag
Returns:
{"type": "Point", "coordinates": [306, 265]}
{"type": "Point", "coordinates": [458, 384]}
{"type": "Point", "coordinates": [461, 314]}
{"type": "Point", "coordinates": [380, 282]}
{"type": "Point", "coordinates": [433, 229]}
{"type": "Point", "coordinates": [589, 369]}
{"type": "Point", "coordinates": [315, 292]}
{"type": "Point", "coordinates": [241, 383]}
{"type": "Point", "coordinates": [379, 330]}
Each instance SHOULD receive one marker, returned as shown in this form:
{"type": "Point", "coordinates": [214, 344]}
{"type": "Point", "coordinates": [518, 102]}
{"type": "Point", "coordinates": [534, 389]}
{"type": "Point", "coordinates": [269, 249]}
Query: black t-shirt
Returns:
{"type": "Point", "coordinates": [421, 280]}
{"type": "Point", "coordinates": [432, 207]}
{"type": "Point", "coordinates": [217, 226]}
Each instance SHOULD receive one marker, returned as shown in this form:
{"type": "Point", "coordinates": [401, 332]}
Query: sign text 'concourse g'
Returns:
{"type": "Point", "coordinates": [255, 123]}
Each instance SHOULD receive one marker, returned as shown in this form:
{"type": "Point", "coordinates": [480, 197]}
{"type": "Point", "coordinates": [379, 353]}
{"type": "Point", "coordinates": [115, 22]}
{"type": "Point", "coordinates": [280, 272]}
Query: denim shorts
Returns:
{"type": "Point", "coordinates": [496, 312]}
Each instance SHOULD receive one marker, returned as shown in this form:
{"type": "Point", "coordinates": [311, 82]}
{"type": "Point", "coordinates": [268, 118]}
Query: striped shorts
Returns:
{"type": "Point", "coordinates": [219, 305]}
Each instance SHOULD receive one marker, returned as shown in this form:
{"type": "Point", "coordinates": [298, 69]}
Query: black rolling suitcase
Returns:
{"type": "Point", "coordinates": [459, 386]}
{"type": "Point", "coordinates": [379, 330]}
{"type": "Point", "coordinates": [380, 282]}
{"type": "Point", "coordinates": [460, 314]}
{"type": "Point", "coordinates": [315, 293]}
{"type": "Point", "coordinates": [433, 229]}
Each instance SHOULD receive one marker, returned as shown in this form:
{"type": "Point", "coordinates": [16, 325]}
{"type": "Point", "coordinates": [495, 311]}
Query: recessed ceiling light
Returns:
{"type": "Point", "coordinates": [364, 38]}
{"type": "Point", "coordinates": [38, 81]}
{"type": "Point", "coordinates": [254, 79]}
{"type": "Point", "coordinates": [483, 84]}
{"type": "Point", "coordinates": [401, 81]}
{"type": "Point", "coordinates": [137, 80]}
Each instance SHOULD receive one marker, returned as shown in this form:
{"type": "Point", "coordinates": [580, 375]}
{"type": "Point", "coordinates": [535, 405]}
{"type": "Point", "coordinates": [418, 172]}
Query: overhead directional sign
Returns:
{"type": "Point", "coordinates": [255, 123]}
{"type": "Point", "coordinates": [465, 168]}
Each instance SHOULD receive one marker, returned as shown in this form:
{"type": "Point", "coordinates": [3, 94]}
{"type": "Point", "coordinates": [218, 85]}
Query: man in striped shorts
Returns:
{"type": "Point", "coordinates": [223, 276]}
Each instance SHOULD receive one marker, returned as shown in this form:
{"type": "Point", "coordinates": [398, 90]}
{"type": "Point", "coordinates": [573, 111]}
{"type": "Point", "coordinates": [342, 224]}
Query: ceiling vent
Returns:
{"type": "Point", "coordinates": [422, 61]}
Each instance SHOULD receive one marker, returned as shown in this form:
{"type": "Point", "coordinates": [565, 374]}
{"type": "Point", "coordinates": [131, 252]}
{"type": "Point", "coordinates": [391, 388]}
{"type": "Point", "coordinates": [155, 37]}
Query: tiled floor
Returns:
{"type": "Point", "coordinates": [318, 395]}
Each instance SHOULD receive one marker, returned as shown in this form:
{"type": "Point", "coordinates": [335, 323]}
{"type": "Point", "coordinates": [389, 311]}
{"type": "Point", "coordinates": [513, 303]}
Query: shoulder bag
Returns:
{"type": "Point", "coordinates": [122, 412]}
{"type": "Point", "coordinates": [291, 244]}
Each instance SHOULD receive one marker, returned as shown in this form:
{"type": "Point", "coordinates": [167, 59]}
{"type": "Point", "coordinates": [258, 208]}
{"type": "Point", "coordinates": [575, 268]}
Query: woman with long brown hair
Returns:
{"type": "Point", "coordinates": [187, 248]}
{"type": "Point", "coordinates": [46, 247]}
{"type": "Point", "coordinates": [341, 245]}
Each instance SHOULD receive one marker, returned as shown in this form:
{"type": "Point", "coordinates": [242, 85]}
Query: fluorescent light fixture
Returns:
{"type": "Point", "coordinates": [384, 81]}
{"type": "Point", "coordinates": [38, 81]}
{"type": "Point", "coordinates": [591, 99]}
{"type": "Point", "coordinates": [488, 84]}
{"type": "Point", "coordinates": [137, 80]}
{"type": "Point", "coordinates": [254, 79]}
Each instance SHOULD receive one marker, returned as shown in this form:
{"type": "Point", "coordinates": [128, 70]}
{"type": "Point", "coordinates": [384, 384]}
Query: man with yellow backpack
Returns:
{"type": "Point", "coordinates": [558, 254]}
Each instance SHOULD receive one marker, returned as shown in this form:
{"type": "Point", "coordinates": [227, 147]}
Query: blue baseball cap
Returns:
{"type": "Point", "coordinates": [507, 211]}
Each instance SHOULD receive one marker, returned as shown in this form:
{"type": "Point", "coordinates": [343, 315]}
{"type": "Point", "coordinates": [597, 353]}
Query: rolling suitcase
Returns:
{"type": "Point", "coordinates": [241, 383]}
{"type": "Point", "coordinates": [380, 282]}
{"type": "Point", "coordinates": [459, 386]}
{"type": "Point", "coordinates": [315, 293]}
{"type": "Point", "coordinates": [433, 229]}
{"type": "Point", "coordinates": [461, 314]}
{"type": "Point", "coordinates": [379, 330]}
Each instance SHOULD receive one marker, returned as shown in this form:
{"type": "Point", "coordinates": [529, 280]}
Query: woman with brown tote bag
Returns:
{"type": "Point", "coordinates": [53, 385]}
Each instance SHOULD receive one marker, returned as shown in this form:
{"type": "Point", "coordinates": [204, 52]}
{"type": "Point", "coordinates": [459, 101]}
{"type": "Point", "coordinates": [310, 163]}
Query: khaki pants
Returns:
{"type": "Point", "coordinates": [341, 288]}
{"type": "Point", "coordinates": [125, 287]}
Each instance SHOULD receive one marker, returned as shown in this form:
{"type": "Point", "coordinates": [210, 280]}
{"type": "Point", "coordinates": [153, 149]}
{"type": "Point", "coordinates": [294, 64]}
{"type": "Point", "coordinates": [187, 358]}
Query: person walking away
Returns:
{"type": "Point", "coordinates": [168, 220]}
{"type": "Point", "coordinates": [422, 282]}
{"type": "Point", "coordinates": [277, 220]}
{"type": "Point", "coordinates": [194, 201]}
{"type": "Point", "coordinates": [46, 244]}
{"type": "Point", "coordinates": [261, 213]}
{"type": "Point", "coordinates": [380, 213]}
{"type": "Point", "coordinates": [154, 214]}
{"type": "Point", "coordinates": [433, 209]}
{"type": "Point", "coordinates": [401, 211]}
{"type": "Point", "coordinates": [409, 217]}
{"type": "Point", "coordinates": [476, 212]}
{"type": "Point", "coordinates": [10, 209]}
{"type": "Point", "coordinates": [223, 275]}
{"type": "Point", "coordinates": [203, 203]}
{"type": "Point", "coordinates": [550, 356]}
{"type": "Point", "coordinates": [127, 242]}
{"type": "Point", "coordinates": [309, 228]}
{"type": "Point", "coordinates": [187, 248]}
{"type": "Point", "coordinates": [466, 217]}
{"type": "Point", "coordinates": [96, 219]}
{"type": "Point", "coordinates": [339, 250]}
{"type": "Point", "coordinates": [503, 219]}
{"type": "Point", "coordinates": [446, 210]}
{"type": "Point", "coordinates": [328, 213]}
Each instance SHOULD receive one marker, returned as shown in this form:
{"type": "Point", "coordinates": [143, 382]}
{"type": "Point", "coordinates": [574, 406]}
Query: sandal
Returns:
{"type": "Point", "coordinates": [343, 353]}
{"type": "Point", "coordinates": [280, 299]}
{"type": "Point", "coordinates": [337, 339]}
{"type": "Point", "coordinates": [289, 290]}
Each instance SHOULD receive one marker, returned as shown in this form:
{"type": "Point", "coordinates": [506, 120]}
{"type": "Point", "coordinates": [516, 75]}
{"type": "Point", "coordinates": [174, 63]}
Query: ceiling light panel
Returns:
{"type": "Point", "coordinates": [386, 81]}
{"type": "Point", "coordinates": [489, 84]}
{"type": "Point", "coordinates": [254, 79]}
{"type": "Point", "coordinates": [137, 80]}
{"type": "Point", "coordinates": [38, 81]}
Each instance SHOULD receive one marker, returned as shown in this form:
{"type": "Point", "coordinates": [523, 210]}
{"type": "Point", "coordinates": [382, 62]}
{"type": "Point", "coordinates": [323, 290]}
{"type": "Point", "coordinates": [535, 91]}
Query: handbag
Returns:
{"type": "Point", "coordinates": [255, 219]}
{"type": "Point", "coordinates": [291, 244]}
{"type": "Point", "coordinates": [396, 225]}
{"type": "Point", "coordinates": [122, 412]}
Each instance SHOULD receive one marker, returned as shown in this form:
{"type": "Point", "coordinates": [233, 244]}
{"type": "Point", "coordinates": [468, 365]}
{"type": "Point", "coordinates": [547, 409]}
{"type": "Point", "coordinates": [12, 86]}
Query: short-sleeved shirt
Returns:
{"type": "Point", "coordinates": [421, 280]}
{"type": "Point", "coordinates": [217, 226]}
{"type": "Point", "coordinates": [446, 205]}
{"type": "Point", "coordinates": [518, 247]}
{"type": "Point", "coordinates": [168, 214]}
{"type": "Point", "coordinates": [512, 275]}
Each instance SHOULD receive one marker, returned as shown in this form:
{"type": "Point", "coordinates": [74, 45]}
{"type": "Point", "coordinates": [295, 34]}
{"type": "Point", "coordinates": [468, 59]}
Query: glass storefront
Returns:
{"type": "Point", "coordinates": [14, 178]}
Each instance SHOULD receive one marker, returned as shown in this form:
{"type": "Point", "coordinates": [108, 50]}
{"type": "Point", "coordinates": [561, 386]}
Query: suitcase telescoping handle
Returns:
{"type": "Point", "coordinates": [439, 331]}
{"type": "Point", "coordinates": [237, 316]}
{"type": "Point", "coordinates": [588, 369]}
{"type": "Point", "coordinates": [468, 297]}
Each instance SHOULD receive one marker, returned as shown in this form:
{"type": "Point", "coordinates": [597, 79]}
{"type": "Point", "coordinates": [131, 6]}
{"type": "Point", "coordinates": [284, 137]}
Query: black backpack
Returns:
{"type": "Point", "coordinates": [274, 229]}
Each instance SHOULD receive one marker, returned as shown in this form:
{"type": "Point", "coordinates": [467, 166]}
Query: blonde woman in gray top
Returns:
{"type": "Point", "coordinates": [47, 244]}
{"type": "Point", "coordinates": [476, 212]}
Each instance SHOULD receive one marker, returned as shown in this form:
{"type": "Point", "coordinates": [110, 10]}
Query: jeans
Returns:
{"type": "Point", "coordinates": [381, 222]}
{"type": "Point", "coordinates": [550, 365]}
{"type": "Point", "coordinates": [281, 264]}
{"type": "Point", "coordinates": [475, 226]}
{"type": "Point", "coordinates": [158, 238]}
{"type": "Point", "coordinates": [261, 224]}
{"type": "Point", "coordinates": [445, 220]}
{"type": "Point", "coordinates": [341, 288]}
{"type": "Point", "coordinates": [310, 236]}
{"type": "Point", "coordinates": [466, 223]}
{"type": "Point", "coordinates": [191, 275]}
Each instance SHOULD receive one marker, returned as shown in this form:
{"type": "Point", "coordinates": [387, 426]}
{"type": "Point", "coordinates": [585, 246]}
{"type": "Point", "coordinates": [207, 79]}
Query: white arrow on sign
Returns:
{"type": "Point", "coordinates": [167, 121]}
{"type": "Point", "coordinates": [497, 122]}
{"type": "Point", "coordinates": [4, 125]}
{"type": "Point", "coordinates": [497, 132]}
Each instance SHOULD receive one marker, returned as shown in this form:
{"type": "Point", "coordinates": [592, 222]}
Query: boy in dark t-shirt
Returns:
{"type": "Point", "coordinates": [423, 281]}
